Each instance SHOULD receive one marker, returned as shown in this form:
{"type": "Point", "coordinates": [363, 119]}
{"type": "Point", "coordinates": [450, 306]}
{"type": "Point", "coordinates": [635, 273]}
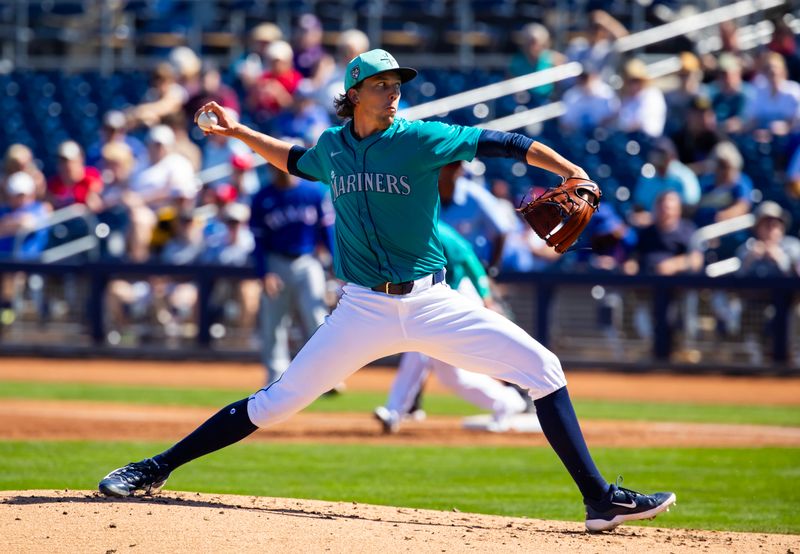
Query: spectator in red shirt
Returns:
{"type": "Point", "coordinates": [275, 89]}
{"type": "Point", "coordinates": [75, 182]}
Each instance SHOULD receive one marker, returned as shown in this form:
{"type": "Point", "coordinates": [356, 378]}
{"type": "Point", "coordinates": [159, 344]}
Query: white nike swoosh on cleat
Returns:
{"type": "Point", "coordinates": [597, 525]}
{"type": "Point", "coordinates": [624, 505]}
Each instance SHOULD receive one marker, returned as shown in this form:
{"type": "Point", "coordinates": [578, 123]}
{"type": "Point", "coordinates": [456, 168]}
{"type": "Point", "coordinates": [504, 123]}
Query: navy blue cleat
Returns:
{"type": "Point", "coordinates": [623, 505]}
{"type": "Point", "coordinates": [146, 476]}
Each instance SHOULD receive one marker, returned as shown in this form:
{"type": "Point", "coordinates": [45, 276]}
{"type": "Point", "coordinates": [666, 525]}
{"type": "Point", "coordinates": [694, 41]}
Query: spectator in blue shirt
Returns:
{"type": "Point", "coordinates": [21, 213]}
{"type": "Point", "coordinates": [663, 172]}
{"type": "Point", "coordinates": [726, 190]}
{"type": "Point", "coordinates": [306, 119]}
{"type": "Point", "coordinates": [663, 248]}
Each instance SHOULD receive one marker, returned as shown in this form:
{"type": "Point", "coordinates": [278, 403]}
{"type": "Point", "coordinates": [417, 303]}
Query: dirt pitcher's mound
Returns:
{"type": "Point", "coordinates": [81, 521]}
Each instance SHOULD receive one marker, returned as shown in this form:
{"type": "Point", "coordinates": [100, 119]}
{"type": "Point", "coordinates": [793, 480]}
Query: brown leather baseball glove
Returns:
{"type": "Point", "coordinates": [561, 213]}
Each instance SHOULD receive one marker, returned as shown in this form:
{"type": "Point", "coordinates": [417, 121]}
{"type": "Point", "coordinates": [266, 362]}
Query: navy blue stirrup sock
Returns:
{"type": "Point", "coordinates": [560, 426]}
{"type": "Point", "coordinates": [229, 425]}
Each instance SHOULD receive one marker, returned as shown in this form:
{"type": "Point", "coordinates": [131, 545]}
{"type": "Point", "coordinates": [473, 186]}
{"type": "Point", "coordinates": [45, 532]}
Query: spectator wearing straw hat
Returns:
{"type": "Point", "coordinates": [690, 85]}
{"type": "Point", "coordinates": [642, 105]}
{"type": "Point", "coordinates": [252, 64]}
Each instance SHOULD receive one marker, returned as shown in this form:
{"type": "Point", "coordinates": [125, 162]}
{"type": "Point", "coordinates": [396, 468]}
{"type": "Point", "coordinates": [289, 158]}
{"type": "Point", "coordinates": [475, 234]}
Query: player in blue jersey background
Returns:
{"type": "Point", "coordinates": [290, 219]}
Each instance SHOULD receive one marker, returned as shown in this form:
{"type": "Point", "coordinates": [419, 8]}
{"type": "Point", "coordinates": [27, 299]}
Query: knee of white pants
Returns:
{"type": "Point", "coordinates": [553, 377]}
{"type": "Point", "coordinates": [267, 406]}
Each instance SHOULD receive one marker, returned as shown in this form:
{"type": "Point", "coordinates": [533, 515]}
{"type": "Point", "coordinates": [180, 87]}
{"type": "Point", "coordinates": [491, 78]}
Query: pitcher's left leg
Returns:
{"type": "Point", "coordinates": [451, 329]}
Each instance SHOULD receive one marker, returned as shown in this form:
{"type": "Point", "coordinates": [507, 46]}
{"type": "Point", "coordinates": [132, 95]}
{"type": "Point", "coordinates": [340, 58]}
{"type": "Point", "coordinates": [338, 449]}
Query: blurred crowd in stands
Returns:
{"type": "Point", "coordinates": [716, 140]}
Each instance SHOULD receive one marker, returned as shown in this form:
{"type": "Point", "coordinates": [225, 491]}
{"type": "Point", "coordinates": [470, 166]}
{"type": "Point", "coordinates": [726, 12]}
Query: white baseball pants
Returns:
{"type": "Point", "coordinates": [481, 390]}
{"type": "Point", "coordinates": [434, 320]}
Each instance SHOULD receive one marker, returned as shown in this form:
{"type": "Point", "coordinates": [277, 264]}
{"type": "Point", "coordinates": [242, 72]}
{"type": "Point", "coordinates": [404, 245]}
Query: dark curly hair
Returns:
{"type": "Point", "coordinates": [344, 106]}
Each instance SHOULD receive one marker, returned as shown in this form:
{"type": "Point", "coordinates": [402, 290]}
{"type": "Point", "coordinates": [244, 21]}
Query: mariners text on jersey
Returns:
{"type": "Point", "coordinates": [369, 182]}
{"type": "Point", "coordinates": [386, 195]}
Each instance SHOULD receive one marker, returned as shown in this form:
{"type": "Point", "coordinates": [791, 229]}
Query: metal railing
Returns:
{"type": "Point", "coordinates": [692, 23]}
{"type": "Point", "coordinates": [558, 309]}
{"type": "Point", "coordinates": [88, 243]}
{"type": "Point", "coordinates": [700, 239]}
{"type": "Point", "coordinates": [755, 34]}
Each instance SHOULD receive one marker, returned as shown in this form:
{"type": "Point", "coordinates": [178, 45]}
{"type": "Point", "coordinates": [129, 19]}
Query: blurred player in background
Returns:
{"type": "Point", "coordinates": [466, 275]}
{"type": "Point", "coordinates": [289, 219]}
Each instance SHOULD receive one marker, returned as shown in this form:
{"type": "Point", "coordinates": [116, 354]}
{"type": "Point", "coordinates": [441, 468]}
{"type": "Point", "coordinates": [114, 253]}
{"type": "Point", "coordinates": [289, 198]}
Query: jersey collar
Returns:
{"type": "Point", "coordinates": [351, 139]}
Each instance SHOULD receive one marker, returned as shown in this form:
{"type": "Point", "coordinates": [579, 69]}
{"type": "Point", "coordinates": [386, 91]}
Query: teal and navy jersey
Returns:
{"type": "Point", "coordinates": [386, 197]}
{"type": "Point", "coordinates": [462, 262]}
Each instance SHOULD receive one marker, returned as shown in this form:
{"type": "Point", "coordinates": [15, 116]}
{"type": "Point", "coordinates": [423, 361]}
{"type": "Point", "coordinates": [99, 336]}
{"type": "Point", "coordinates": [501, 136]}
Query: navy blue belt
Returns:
{"type": "Point", "coordinates": [406, 286]}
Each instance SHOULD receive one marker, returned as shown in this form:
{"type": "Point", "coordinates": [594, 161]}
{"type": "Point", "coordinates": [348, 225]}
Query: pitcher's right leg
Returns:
{"type": "Point", "coordinates": [363, 327]}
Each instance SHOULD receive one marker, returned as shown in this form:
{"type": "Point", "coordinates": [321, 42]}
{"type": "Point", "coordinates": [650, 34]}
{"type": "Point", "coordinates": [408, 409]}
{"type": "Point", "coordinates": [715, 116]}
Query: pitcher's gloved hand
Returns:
{"type": "Point", "coordinates": [561, 213]}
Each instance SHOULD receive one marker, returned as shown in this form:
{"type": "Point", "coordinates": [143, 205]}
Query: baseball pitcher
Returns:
{"type": "Point", "coordinates": [382, 173]}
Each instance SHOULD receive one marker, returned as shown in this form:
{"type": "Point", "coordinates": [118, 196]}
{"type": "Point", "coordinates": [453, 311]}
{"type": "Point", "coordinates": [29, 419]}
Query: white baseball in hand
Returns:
{"type": "Point", "coordinates": [206, 120]}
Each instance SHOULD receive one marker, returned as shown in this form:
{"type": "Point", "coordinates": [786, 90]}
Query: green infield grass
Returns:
{"type": "Point", "coordinates": [436, 404]}
{"type": "Point", "coordinates": [724, 489]}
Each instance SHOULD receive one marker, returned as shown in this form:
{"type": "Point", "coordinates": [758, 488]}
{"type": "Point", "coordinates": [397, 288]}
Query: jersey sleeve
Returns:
{"type": "Point", "coordinates": [446, 143]}
{"type": "Point", "coordinates": [310, 165]}
{"type": "Point", "coordinates": [315, 162]}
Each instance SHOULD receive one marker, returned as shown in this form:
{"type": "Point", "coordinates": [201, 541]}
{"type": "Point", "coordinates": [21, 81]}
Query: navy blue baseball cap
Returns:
{"type": "Point", "coordinates": [372, 63]}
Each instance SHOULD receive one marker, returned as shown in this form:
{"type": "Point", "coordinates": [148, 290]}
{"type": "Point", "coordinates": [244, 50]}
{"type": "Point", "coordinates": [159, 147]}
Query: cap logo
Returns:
{"type": "Point", "coordinates": [355, 72]}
